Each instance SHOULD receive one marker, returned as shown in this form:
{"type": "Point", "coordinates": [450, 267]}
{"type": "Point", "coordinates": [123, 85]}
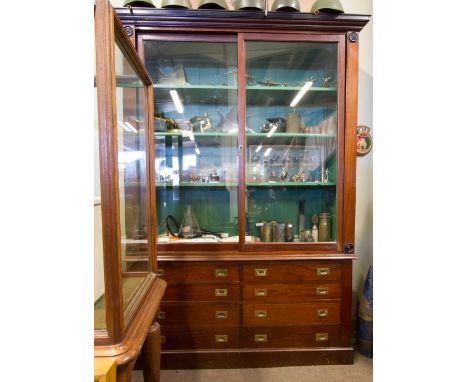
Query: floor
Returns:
{"type": "Point", "coordinates": [360, 371]}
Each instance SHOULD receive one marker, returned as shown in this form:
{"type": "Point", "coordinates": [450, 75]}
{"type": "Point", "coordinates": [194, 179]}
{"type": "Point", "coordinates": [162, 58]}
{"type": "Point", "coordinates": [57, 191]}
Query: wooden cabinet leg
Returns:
{"type": "Point", "coordinates": [151, 354]}
{"type": "Point", "coordinates": [124, 372]}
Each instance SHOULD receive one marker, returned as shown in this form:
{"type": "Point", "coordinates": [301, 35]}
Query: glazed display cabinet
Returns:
{"type": "Point", "coordinates": [126, 300]}
{"type": "Point", "coordinates": [254, 144]}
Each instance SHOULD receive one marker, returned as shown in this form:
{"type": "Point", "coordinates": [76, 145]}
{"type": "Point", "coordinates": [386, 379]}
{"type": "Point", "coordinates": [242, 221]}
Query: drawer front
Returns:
{"type": "Point", "coordinates": [186, 273]}
{"type": "Point", "coordinates": [211, 292]}
{"type": "Point", "coordinates": [191, 315]}
{"type": "Point", "coordinates": [290, 292]}
{"type": "Point", "coordinates": [291, 314]}
{"type": "Point", "coordinates": [296, 336]}
{"type": "Point", "coordinates": [291, 273]}
{"type": "Point", "coordinates": [199, 338]}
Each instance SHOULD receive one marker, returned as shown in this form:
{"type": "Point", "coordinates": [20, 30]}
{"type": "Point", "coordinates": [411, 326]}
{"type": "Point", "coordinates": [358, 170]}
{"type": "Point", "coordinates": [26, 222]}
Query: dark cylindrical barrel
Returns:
{"type": "Point", "coordinates": [365, 319]}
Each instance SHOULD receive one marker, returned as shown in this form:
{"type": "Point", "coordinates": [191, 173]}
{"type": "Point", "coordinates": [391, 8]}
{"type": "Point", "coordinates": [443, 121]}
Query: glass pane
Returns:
{"type": "Point", "coordinates": [291, 123]}
{"type": "Point", "coordinates": [195, 128]}
{"type": "Point", "coordinates": [131, 145]}
{"type": "Point", "coordinates": [99, 301]}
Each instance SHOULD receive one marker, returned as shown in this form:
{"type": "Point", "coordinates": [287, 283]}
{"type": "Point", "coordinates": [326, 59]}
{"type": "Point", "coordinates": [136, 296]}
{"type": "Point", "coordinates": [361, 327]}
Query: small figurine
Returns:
{"type": "Point", "coordinates": [214, 177]}
{"type": "Point", "coordinates": [299, 177]}
{"type": "Point", "coordinates": [328, 82]}
{"type": "Point", "coordinates": [283, 175]}
{"type": "Point", "coordinates": [272, 175]}
{"type": "Point", "coordinates": [326, 176]}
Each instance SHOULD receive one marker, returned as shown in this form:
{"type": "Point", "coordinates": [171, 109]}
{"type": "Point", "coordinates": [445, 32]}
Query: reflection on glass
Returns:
{"type": "Point", "coordinates": [195, 127]}
{"type": "Point", "coordinates": [291, 128]}
{"type": "Point", "coordinates": [131, 145]}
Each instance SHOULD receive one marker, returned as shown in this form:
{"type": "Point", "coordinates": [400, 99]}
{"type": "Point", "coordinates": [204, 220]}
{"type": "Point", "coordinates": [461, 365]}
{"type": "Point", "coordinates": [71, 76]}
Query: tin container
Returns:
{"type": "Point", "coordinates": [266, 233]}
{"type": "Point", "coordinates": [293, 123]}
{"type": "Point", "coordinates": [278, 232]}
{"type": "Point", "coordinates": [289, 232]}
{"type": "Point", "coordinates": [324, 229]}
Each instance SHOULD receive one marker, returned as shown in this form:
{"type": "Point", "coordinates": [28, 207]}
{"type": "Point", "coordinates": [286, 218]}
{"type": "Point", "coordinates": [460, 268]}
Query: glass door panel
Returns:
{"type": "Point", "coordinates": [196, 139]}
{"type": "Point", "coordinates": [291, 136]}
{"type": "Point", "coordinates": [131, 144]}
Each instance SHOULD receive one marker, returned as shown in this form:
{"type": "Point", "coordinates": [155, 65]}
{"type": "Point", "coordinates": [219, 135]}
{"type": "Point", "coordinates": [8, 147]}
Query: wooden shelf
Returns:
{"type": "Point", "coordinates": [201, 184]}
{"type": "Point", "coordinates": [290, 184]}
{"type": "Point", "coordinates": [255, 95]}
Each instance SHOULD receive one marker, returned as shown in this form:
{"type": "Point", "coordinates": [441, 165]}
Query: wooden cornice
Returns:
{"type": "Point", "coordinates": [147, 18]}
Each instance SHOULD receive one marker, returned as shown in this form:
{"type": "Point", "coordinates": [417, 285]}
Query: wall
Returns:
{"type": "Point", "coordinates": [363, 245]}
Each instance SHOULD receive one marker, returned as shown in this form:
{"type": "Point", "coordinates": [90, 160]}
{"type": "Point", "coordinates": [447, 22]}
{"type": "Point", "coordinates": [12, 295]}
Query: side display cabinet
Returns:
{"type": "Point", "coordinates": [254, 129]}
{"type": "Point", "coordinates": [126, 297]}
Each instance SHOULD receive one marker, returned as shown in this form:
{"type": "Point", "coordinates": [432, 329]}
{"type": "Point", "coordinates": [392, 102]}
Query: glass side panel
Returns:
{"type": "Point", "coordinates": [131, 145]}
{"type": "Point", "coordinates": [291, 129]}
{"type": "Point", "coordinates": [195, 129]}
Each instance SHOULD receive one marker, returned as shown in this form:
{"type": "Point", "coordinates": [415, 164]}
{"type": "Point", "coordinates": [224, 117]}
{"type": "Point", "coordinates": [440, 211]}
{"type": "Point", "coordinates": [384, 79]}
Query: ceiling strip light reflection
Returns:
{"type": "Point", "coordinates": [122, 125]}
{"type": "Point", "coordinates": [301, 93]}
{"type": "Point", "coordinates": [267, 152]}
{"type": "Point", "coordinates": [272, 130]}
{"type": "Point", "coordinates": [177, 102]}
{"type": "Point", "coordinates": [132, 129]}
{"type": "Point", "coordinates": [258, 148]}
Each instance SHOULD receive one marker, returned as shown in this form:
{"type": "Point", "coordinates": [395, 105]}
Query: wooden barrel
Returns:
{"type": "Point", "coordinates": [365, 318]}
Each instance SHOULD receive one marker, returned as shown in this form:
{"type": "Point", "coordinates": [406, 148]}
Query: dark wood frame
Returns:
{"type": "Point", "coordinates": [126, 329]}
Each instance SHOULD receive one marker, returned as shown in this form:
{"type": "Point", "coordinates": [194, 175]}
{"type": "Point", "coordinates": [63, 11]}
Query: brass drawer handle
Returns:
{"type": "Point", "coordinates": [161, 315]}
{"type": "Point", "coordinates": [160, 272]}
{"type": "Point", "coordinates": [221, 292]}
{"type": "Point", "coordinates": [261, 314]}
{"type": "Point", "coordinates": [261, 292]}
{"type": "Point", "coordinates": [163, 339]}
{"type": "Point", "coordinates": [321, 337]}
{"type": "Point", "coordinates": [322, 291]}
{"type": "Point", "coordinates": [261, 272]}
{"type": "Point", "coordinates": [323, 271]}
{"type": "Point", "coordinates": [221, 314]}
{"type": "Point", "coordinates": [322, 313]}
{"type": "Point", "coordinates": [221, 338]}
{"type": "Point", "coordinates": [261, 337]}
{"type": "Point", "coordinates": [221, 272]}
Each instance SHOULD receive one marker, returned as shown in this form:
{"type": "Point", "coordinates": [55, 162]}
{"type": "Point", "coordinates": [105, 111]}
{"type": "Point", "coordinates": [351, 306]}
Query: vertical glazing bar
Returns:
{"type": "Point", "coordinates": [352, 57]}
{"type": "Point", "coordinates": [241, 106]}
{"type": "Point", "coordinates": [151, 182]}
{"type": "Point", "coordinates": [340, 102]}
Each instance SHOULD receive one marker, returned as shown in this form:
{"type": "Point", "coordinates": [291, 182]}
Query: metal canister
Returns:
{"type": "Point", "coordinates": [266, 233]}
{"type": "Point", "coordinates": [278, 232]}
{"type": "Point", "coordinates": [289, 232]}
{"type": "Point", "coordinates": [293, 123]}
{"type": "Point", "coordinates": [324, 229]}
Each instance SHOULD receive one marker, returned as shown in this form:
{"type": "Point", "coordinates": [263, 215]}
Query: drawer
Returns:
{"type": "Point", "coordinates": [199, 338]}
{"type": "Point", "coordinates": [291, 314]}
{"type": "Point", "coordinates": [291, 273]}
{"type": "Point", "coordinates": [295, 336]}
{"type": "Point", "coordinates": [210, 292]}
{"type": "Point", "coordinates": [291, 292]}
{"type": "Point", "coordinates": [191, 315]}
{"type": "Point", "coordinates": [186, 273]}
